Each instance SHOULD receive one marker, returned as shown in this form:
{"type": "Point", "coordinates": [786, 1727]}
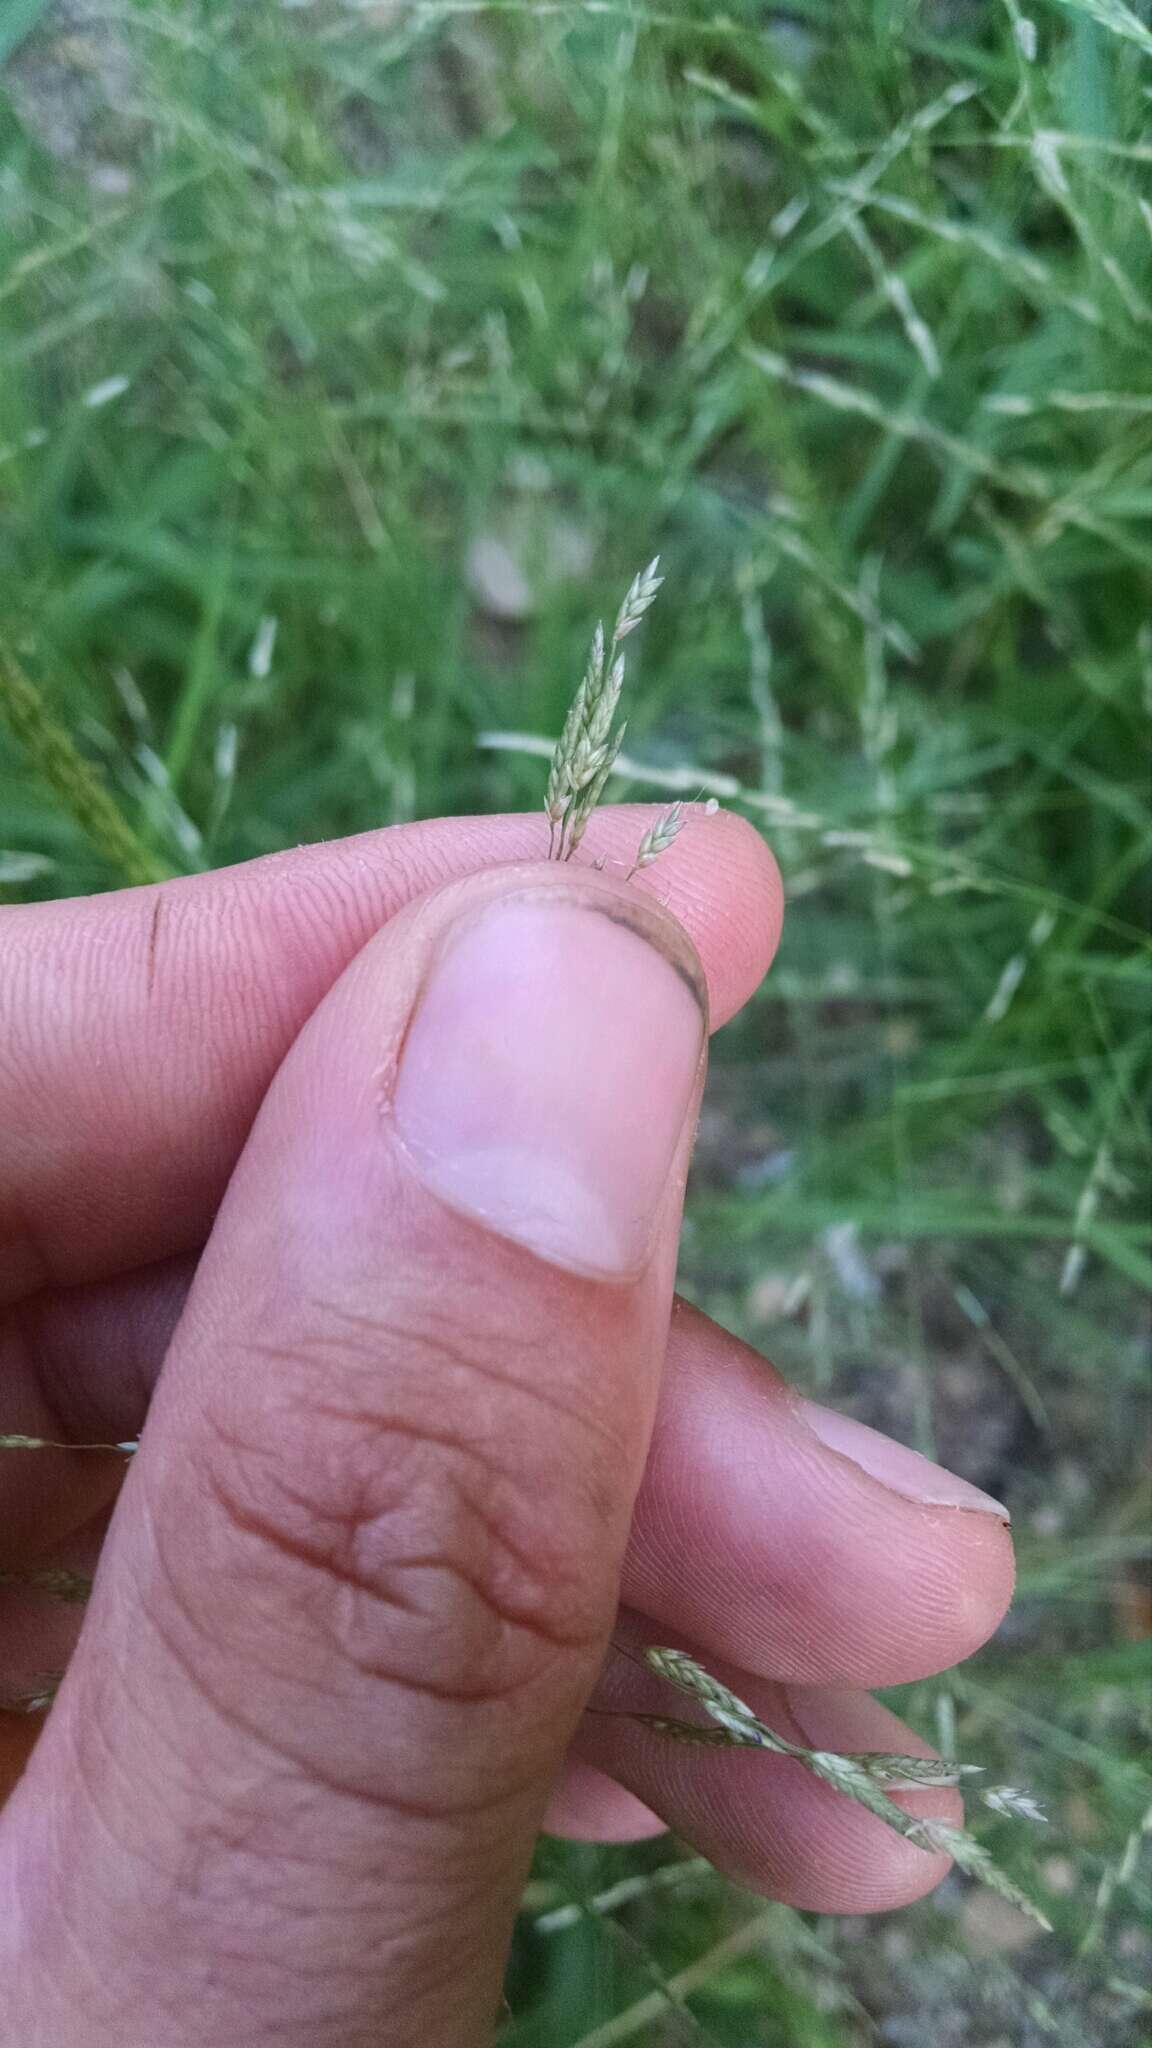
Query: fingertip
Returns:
{"type": "Point", "coordinates": [898, 1467]}
{"type": "Point", "coordinates": [987, 1581]}
{"type": "Point", "coordinates": [930, 1562]}
{"type": "Point", "coordinates": [830, 1575]}
{"type": "Point", "coordinates": [718, 878]}
{"type": "Point", "coordinates": [883, 1868]}
{"type": "Point", "coordinates": [729, 893]}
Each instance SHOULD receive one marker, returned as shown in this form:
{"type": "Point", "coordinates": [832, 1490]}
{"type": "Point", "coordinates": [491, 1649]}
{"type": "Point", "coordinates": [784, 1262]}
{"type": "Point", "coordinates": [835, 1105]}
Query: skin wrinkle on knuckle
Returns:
{"type": "Point", "coordinates": [427, 1547]}
{"type": "Point", "coordinates": [178, 1625]}
{"type": "Point", "coordinates": [412, 1551]}
{"type": "Point", "coordinates": [503, 1370]}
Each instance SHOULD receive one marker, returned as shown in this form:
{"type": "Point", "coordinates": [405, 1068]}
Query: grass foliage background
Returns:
{"type": "Point", "coordinates": [353, 359]}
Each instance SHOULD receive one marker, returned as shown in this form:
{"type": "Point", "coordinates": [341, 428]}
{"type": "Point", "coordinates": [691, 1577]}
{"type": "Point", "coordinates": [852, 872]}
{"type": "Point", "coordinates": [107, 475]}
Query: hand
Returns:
{"type": "Point", "coordinates": [390, 1182]}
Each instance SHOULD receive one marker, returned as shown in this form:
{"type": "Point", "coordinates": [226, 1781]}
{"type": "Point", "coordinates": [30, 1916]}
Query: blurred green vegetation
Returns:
{"type": "Point", "coordinates": [353, 358]}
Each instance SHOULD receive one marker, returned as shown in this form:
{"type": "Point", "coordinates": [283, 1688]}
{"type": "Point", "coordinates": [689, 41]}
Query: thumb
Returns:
{"type": "Point", "coordinates": [364, 1567]}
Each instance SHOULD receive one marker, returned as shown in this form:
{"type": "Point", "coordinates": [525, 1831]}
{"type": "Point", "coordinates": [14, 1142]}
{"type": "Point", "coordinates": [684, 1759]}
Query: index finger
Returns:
{"type": "Point", "coordinates": [141, 1028]}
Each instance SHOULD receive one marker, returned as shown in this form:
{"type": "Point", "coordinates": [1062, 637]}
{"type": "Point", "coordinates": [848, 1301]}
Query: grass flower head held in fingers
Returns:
{"type": "Point", "coordinates": [586, 751]}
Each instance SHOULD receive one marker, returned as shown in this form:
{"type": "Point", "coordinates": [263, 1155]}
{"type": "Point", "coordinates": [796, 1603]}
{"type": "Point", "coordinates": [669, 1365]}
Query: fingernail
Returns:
{"type": "Point", "coordinates": [895, 1466]}
{"type": "Point", "coordinates": [547, 1075]}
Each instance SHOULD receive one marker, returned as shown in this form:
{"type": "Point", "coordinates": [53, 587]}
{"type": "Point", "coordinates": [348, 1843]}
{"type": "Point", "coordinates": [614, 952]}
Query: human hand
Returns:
{"type": "Point", "coordinates": [361, 1578]}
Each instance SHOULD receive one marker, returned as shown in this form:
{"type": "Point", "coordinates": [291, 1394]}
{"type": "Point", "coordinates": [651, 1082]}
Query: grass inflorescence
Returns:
{"type": "Point", "coordinates": [589, 745]}
{"type": "Point", "coordinates": [591, 739]}
{"type": "Point", "coordinates": [868, 1778]}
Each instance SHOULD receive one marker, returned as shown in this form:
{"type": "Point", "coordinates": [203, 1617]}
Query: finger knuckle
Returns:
{"type": "Point", "coordinates": [440, 1543]}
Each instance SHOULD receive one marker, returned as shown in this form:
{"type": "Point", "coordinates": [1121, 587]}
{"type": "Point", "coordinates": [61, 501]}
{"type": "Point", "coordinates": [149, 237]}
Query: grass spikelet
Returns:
{"type": "Point", "coordinates": [585, 754]}
{"type": "Point", "coordinates": [637, 598]}
{"type": "Point", "coordinates": [861, 1777]}
{"type": "Point", "coordinates": [658, 838]}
